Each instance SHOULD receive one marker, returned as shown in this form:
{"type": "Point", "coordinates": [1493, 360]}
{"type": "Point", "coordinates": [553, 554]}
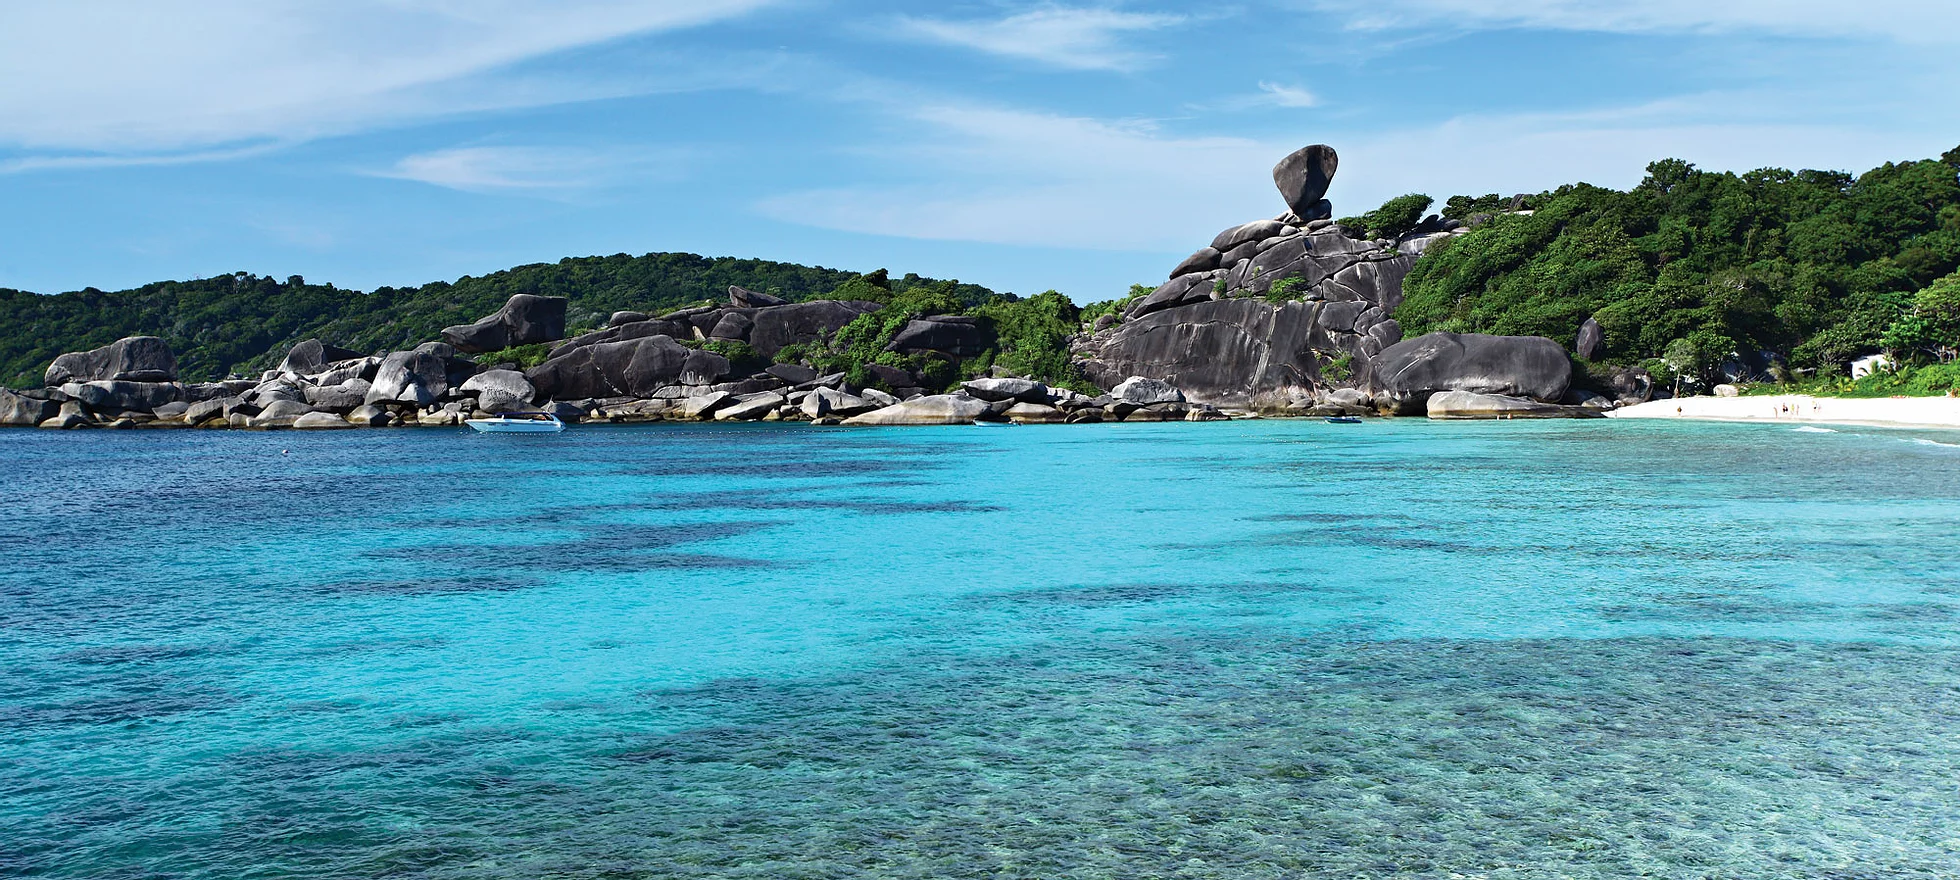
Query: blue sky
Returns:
{"type": "Point", "coordinates": [1023, 146]}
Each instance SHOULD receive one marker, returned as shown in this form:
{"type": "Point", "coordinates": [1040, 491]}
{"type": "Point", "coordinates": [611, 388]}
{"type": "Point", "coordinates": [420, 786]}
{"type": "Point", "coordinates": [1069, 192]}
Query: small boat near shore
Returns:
{"type": "Point", "coordinates": [518, 423]}
{"type": "Point", "coordinates": [1344, 420]}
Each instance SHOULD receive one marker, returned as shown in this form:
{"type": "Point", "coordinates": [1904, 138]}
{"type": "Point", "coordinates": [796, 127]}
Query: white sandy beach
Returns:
{"type": "Point", "coordinates": [1897, 412]}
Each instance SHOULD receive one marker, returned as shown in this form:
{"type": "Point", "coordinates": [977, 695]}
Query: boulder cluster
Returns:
{"type": "Point", "coordinates": [635, 370]}
{"type": "Point", "coordinates": [1294, 315]}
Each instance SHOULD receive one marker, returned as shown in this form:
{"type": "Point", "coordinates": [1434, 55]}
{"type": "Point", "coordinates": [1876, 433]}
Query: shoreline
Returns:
{"type": "Point", "coordinates": [1803, 409]}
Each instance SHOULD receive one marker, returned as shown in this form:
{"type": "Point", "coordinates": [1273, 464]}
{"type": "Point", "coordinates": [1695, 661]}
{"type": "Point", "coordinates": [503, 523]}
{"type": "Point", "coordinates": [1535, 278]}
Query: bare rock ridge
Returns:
{"type": "Point", "coordinates": [1279, 315]}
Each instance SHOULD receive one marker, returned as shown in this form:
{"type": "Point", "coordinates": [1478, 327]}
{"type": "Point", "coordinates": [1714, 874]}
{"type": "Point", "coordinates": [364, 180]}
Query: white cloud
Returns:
{"type": "Point", "coordinates": [1286, 96]}
{"type": "Point", "coordinates": [1913, 21]}
{"type": "Point", "coordinates": [152, 76]}
{"type": "Point", "coordinates": [1073, 38]}
{"type": "Point", "coordinates": [542, 171]}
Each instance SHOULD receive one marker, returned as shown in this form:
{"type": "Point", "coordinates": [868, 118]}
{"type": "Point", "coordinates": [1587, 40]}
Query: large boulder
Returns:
{"type": "Point", "coordinates": [956, 335]}
{"type": "Point", "coordinates": [937, 409]}
{"type": "Point", "coordinates": [778, 326]}
{"type": "Point", "coordinates": [1591, 341]}
{"type": "Point", "coordinates": [1143, 391]}
{"type": "Point", "coordinates": [338, 398]}
{"type": "Point", "coordinates": [630, 330]}
{"type": "Point", "coordinates": [1454, 405]}
{"type": "Point", "coordinates": [317, 421]}
{"type": "Point", "coordinates": [311, 357]}
{"type": "Point", "coordinates": [630, 368]}
{"type": "Point", "coordinates": [499, 391]}
{"type": "Point", "coordinates": [746, 298]}
{"type": "Point", "coordinates": [1026, 390]}
{"type": "Point", "coordinates": [749, 407]}
{"type": "Point", "coordinates": [110, 396]}
{"type": "Point", "coordinates": [420, 377]}
{"type": "Point", "coordinates": [131, 359]}
{"type": "Point", "coordinates": [19, 411]}
{"type": "Point", "coordinates": [525, 319]}
{"type": "Point", "coordinates": [281, 414]}
{"type": "Point", "coordinates": [1303, 178]}
{"type": "Point", "coordinates": [1408, 372]}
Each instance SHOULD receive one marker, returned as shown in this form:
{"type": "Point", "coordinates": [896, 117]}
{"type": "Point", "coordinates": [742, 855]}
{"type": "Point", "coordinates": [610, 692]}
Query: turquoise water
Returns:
{"type": "Point", "coordinates": [1246, 650]}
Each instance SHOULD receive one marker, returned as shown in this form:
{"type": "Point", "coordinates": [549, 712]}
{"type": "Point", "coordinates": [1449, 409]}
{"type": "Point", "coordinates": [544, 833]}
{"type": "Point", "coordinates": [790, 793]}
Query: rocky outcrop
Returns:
{"type": "Point", "coordinates": [500, 391]}
{"type": "Point", "coordinates": [632, 368]}
{"type": "Point", "coordinates": [1455, 405]}
{"type": "Point", "coordinates": [418, 377]}
{"type": "Point", "coordinates": [746, 298]}
{"type": "Point", "coordinates": [1408, 373]}
{"type": "Point", "coordinates": [526, 319]}
{"type": "Point", "coordinates": [952, 335]}
{"type": "Point", "coordinates": [1591, 341]}
{"type": "Point", "coordinates": [131, 359]}
{"type": "Point", "coordinates": [311, 356]}
{"type": "Point", "coordinates": [776, 327]}
{"type": "Point", "coordinates": [937, 409]}
{"type": "Point", "coordinates": [20, 410]}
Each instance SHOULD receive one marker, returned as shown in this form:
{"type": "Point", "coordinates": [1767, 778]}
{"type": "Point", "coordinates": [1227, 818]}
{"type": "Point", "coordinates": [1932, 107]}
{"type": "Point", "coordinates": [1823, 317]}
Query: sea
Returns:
{"type": "Point", "coordinates": [1249, 649]}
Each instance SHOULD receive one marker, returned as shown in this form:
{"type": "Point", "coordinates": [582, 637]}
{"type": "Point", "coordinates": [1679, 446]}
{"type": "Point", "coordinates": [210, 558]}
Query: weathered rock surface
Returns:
{"type": "Point", "coordinates": [744, 297]}
{"type": "Point", "coordinates": [1231, 352]}
{"type": "Point", "coordinates": [1026, 390]}
{"type": "Point", "coordinates": [1303, 177]}
{"type": "Point", "coordinates": [420, 377]}
{"type": "Point", "coordinates": [1143, 391]}
{"type": "Point", "coordinates": [1471, 405]}
{"type": "Point", "coordinates": [117, 395]}
{"type": "Point", "coordinates": [370, 417]}
{"type": "Point", "coordinates": [500, 391]}
{"type": "Point", "coordinates": [281, 414]}
{"type": "Point", "coordinates": [525, 319]}
{"type": "Point", "coordinates": [937, 409]}
{"type": "Point", "coordinates": [316, 421]}
{"type": "Point", "coordinates": [633, 368]}
{"type": "Point", "coordinates": [750, 406]}
{"type": "Point", "coordinates": [1591, 341]}
{"type": "Point", "coordinates": [311, 357]}
{"type": "Point", "coordinates": [130, 359]}
{"type": "Point", "coordinates": [802, 322]}
{"type": "Point", "coordinates": [20, 411]}
{"type": "Point", "coordinates": [1408, 372]}
{"type": "Point", "coordinates": [956, 335]}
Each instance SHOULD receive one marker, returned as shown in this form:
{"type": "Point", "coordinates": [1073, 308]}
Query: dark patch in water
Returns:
{"type": "Point", "coordinates": [110, 655]}
{"type": "Point", "coordinates": [424, 586]}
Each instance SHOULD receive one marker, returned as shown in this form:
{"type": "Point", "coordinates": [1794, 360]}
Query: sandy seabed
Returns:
{"type": "Point", "coordinates": [1933, 412]}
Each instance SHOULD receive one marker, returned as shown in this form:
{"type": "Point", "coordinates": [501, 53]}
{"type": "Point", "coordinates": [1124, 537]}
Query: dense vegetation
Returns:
{"type": "Point", "coordinates": [1790, 273]}
{"type": "Point", "coordinates": [237, 323]}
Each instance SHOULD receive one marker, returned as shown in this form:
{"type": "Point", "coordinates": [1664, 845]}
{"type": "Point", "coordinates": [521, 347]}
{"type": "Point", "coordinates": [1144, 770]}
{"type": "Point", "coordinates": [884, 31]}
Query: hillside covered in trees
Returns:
{"type": "Point", "coordinates": [1693, 269]}
{"type": "Point", "coordinates": [239, 323]}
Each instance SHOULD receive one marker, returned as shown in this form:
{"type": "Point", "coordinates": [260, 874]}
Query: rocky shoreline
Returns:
{"type": "Point", "coordinates": [1288, 316]}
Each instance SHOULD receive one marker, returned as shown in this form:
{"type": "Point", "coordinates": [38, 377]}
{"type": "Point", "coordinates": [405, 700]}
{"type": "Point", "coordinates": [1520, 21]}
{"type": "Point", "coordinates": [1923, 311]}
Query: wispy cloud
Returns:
{"type": "Point", "coordinates": [1911, 21]}
{"type": "Point", "coordinates": [163, 76]}
{"type": "Point", "coordinates": [1286, 96]}
{"type": "Point", "coordinates": [541, 171]}
{"type": "Point", "coordinates": [1066, 37]}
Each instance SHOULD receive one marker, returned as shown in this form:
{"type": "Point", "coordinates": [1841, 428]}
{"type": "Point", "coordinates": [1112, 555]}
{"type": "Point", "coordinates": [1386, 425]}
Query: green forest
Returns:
{"type": "Point", "coordinates": [243, 323]}
{"type": "Point", "coordinates": [1792, 273]}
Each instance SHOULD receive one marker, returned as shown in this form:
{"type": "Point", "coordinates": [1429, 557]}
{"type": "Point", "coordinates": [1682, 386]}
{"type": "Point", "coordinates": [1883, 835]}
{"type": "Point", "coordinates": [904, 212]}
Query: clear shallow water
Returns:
{"type": "Point", "coordinates": [1255, 649]}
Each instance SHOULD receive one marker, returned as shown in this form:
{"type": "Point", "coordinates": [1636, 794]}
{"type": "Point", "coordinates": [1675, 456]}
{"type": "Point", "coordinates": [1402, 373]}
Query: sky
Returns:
{"type": "Point", "coordinates": [1023, 146]}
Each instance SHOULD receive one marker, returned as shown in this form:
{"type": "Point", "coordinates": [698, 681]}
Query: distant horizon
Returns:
{"type": "Point", "coordinates": [1019, 146]}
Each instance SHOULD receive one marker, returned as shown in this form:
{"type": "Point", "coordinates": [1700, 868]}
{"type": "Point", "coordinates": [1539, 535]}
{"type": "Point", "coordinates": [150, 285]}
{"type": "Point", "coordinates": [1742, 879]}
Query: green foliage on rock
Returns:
{"type": "Point", "coordinates": [524, 356]}
{"type": "Point", "coordinates": [1930, 326]}
{"type": "Point", "coordinates": [1693, 266]}
{"type": "Point", "coordinates": [1093, 311]}
{"type": "Point", "coordinates": [1395, 217]}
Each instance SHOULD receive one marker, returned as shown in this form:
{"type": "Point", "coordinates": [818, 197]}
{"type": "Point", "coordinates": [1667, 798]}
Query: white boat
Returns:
{"type": "Point", "coordinates": [518, 423]}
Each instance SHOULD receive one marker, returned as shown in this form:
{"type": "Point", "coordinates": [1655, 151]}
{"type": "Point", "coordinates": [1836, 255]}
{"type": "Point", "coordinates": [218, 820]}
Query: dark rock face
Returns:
{"type": "Point", "coordinates": [1591, 340]}
{"type": "Point", "coordinates": [131, 359]}
{"type": "Point", "coordinates": [1227, 352]}
{"type": "Point", "coordinates": [1182, 290]}
{"type": "Point", "coordinates": [525, 319]}
{"type": "Point", "coordinates": [632, 368]}
{"type": "Point", "coordinates": [735, 324]}
{"type": "Point", "coordinates": [312, 356]}
{"type": "Point", "coordinates": [124, 396]}
{"type": "Point", "coordinates": [619, 318]}
{"type": "Point", "coordinates": [742, 296]}
{"type": "Point", "coordinates": [1632, 385]}
{"type": "Point", "coordinates": [25, 411]}
{"type": "Point", "coordinates": [418, 377]}
{"type": "Point", "coordinates": [1303, 177]}
{"type": "Point", "coordinates": [959, 336]}
{"type": "Point", "coordinates": [1408, 372]}
{"type": "Point", "coordinates": [779, 326]}
{"type": "Point", "coordinates": [500, 391]}
{"type": "Point", "coordinates": [623, 332]}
